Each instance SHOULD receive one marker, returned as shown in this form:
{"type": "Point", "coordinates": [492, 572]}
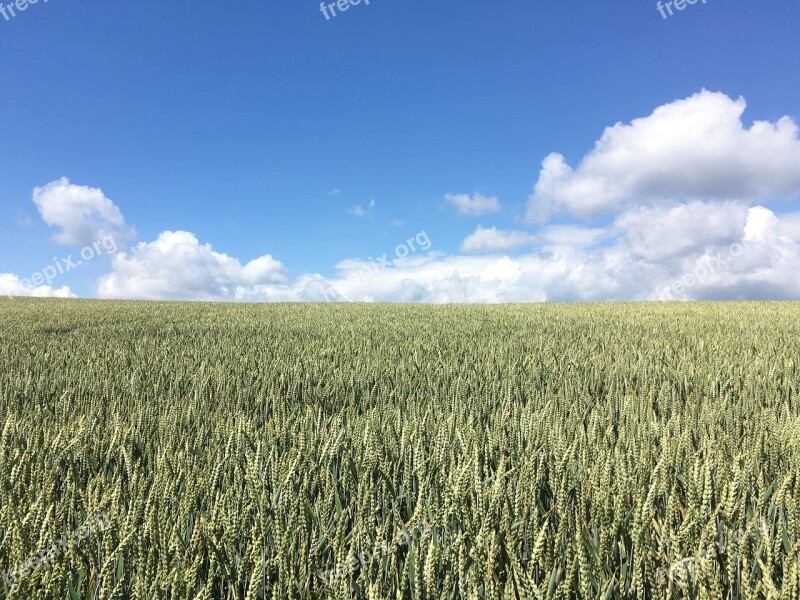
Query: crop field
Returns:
{"type": "Point", "coordinates": [157, 450]}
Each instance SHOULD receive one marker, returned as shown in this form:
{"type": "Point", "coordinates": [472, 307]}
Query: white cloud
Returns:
{"type": "Point", "coordinates": [761, 264]}
{"type": "Point", "coordinates": [361, 211]}
{"type": "Point", "coordinates": [748, 253]}
{"type": "Point", "coordinates": [493, 240]}
{"type": "Point", "coordinates": [755, 253]}
{"type": "Point", "coordinates": [11, 285]}
{"type": "Point", "coordinates": [657, 232]}
{"type": "Point", "coordinates": [572, 236]}
{"type": "Point", "coordinates": [473, 206]}
{"type": "Point", "coordinates": [790, 225]}
{"type": "Point", "coordinates": [82, 214]}
{"type": "Point", "coordinates": [177, 267]}
{"type": "Point", "coordinates": [430, 278]}
{"type": "Point", "coordinates": [691, 149]}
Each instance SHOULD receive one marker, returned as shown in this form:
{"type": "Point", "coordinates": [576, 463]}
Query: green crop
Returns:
{"type": "Point", "coordinates": [394, 451]}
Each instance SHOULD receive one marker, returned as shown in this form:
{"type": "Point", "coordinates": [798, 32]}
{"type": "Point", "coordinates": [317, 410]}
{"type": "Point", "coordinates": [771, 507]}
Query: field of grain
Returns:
{"type": "Point", "coordinates": [154, 450]}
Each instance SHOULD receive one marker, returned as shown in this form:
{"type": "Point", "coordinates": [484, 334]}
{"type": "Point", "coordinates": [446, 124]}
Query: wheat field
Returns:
{"type": "Point", "coordinates": [167, 450]}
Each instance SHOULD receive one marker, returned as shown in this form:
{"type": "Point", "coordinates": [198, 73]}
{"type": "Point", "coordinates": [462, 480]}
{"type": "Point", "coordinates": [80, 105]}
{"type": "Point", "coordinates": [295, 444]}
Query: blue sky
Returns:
{"type": "Point", "coordinates": [260, 127]}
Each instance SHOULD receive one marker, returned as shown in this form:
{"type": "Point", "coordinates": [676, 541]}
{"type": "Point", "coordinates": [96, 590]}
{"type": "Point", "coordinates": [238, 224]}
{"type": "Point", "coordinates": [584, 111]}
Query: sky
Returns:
{"type": "Point", "coordinates": [401, 150]}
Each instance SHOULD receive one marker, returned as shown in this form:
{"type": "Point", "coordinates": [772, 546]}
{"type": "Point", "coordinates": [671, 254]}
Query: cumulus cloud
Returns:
{"type": "Point", "coordinates": [176, 266]}
{"type": "Point", "coordinates": [82, 214]}
{"type": "Point", "coordinates": [746, 253]}
{"type": "Point", "coordinates": [431, 278]}
{"type": "Point", "coordinates": [473, 206]}
{"type": "Point", "coordinates": [11, 285]}
{"type": "Point", "coordinates": [656, 255]}
{"type": "Point", "coordinates": [691, 149]}
{"type": "Point", "coordinates": [492, 240]}
{"type": "Point", "coordinates": [761, 263]}
{"type": "Point", "coordinates": [660, 232]}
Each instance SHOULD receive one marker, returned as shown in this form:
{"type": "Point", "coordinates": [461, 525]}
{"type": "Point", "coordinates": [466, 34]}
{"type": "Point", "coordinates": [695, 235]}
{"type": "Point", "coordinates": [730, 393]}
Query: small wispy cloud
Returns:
{"type": "Point", "coordinates": [473, 206]}
{"type": "Point", "coordinates": [24, 219]}
{"type": "Point", "coordinates": [361, 211]}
